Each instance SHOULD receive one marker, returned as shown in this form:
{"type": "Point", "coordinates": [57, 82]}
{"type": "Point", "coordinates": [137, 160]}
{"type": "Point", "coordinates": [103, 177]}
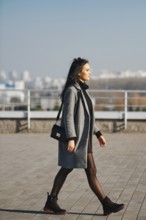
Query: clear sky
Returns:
{"type": "Point", "coordinates": [43, 36]}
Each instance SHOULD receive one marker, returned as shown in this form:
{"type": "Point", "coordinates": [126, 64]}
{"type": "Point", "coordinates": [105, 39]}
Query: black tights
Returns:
{"type": "Point", "coordinates": [91, 176]}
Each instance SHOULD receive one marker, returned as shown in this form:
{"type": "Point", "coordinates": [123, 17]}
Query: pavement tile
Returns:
{"type": "Point", "coordinates": [28, 165]}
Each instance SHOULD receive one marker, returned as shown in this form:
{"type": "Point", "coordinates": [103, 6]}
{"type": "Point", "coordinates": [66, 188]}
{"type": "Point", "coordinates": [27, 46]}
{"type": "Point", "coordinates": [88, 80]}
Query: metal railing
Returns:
{"type": "Point", "coordinates": [108, 104]}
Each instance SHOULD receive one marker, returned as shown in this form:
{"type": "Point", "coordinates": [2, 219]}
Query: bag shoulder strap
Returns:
{"type": "Point", "coordinates": [59, 112]}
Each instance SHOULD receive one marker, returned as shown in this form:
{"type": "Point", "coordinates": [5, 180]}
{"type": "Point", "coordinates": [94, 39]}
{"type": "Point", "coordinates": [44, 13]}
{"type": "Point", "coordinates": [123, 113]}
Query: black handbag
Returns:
{"type": "Point", "coordinates": [58, 132]}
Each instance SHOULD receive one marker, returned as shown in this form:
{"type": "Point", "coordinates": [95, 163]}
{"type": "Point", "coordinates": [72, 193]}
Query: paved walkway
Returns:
{"type": "Point", "coordinates": [28, 163]}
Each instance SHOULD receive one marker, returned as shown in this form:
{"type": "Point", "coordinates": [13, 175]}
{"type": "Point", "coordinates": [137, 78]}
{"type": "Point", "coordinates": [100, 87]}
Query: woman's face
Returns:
{"type": "Point", "coordinates": [85, 73]}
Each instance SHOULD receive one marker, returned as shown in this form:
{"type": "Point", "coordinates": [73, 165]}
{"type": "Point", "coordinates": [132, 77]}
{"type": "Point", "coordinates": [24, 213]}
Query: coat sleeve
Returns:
{"type": "Point", "coordinates": [96, 131]}
{"type": "Point", "coordinates": [70, 99]}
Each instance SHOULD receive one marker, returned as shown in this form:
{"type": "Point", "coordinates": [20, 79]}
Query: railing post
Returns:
{"type": "Point", "coordinates": [28, 108]}
{"type": "Point", "coordinates": [125, 109]}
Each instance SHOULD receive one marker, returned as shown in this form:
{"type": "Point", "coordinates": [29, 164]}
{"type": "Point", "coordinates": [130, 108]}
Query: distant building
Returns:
{"type": "Point", "coordinates": [13, 75]}
{"type": "Point", "coordinates": [26, 76]}
{"type": "Point", "coordinates": [3, 75]}
{"type": "Point", "coordinates": [105, 74]}
{"type": "Point", "coordinates": [10, 93]}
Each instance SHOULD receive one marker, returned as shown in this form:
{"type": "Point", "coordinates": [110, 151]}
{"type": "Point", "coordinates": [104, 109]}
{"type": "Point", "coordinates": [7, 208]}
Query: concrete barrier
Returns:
{"type": "Point", "coordinates": [44, 125]}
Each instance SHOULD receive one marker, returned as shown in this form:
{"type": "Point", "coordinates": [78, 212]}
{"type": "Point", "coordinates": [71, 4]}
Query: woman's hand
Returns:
{"type": "Point", "coordinates": [71, 146]}
{"type": "Point", "coordinates": [102, 141]}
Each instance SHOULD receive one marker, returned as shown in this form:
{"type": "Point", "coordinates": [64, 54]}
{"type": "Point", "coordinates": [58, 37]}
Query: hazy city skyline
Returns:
{"type": "Point", "coordinates": [43, 36]}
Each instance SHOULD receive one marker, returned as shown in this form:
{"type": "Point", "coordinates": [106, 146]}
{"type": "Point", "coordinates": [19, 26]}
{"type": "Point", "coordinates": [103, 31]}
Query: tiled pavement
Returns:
{"type": "Point", "coordinates": [28, 164]}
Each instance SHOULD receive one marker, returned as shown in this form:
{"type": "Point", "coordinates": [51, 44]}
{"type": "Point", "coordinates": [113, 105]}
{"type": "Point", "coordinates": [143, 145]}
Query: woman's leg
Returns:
{"type": "Point", "coordinates": [108, 205]}
{"type": "Point", "coordinates": [92, 179]}
{"type": "Point", "coordinates": [59, 181]}
{"type": "Point", "coordinates": [51, 205]}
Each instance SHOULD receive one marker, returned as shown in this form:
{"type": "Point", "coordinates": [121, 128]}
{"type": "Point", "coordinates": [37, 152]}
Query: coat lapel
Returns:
{"type": "Point", "coordinates": [77, 86]}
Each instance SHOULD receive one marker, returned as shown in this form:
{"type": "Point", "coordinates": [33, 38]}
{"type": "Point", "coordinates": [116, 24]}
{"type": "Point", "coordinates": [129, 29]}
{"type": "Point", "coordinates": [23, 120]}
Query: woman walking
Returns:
{"type": "Point", "coordinates": [79, 123]}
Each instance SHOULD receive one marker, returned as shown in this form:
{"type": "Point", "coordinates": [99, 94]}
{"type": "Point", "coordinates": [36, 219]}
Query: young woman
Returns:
{"type": "Point", "coordinates": [79, 123]}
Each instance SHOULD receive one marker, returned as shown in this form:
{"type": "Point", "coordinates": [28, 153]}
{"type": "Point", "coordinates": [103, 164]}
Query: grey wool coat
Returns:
{"type": "Point", "coordinates": [76, 120]}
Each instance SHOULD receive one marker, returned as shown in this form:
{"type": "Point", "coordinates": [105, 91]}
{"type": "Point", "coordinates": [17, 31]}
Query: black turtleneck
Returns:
{"type": "Point", "coordinates": [84, 87]}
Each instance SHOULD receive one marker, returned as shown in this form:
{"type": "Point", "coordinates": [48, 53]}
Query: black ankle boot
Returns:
{"type": "Point", "coordinates": [52, 207]}
{"type": "Point", "coordinates": [109, 206]}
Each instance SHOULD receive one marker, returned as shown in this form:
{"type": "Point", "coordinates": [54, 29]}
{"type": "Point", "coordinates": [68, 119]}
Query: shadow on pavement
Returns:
{"type": "Point", "coordinates": [83, 213]}
{"type": "Point", "coordinates": [23, 211]}
{"type": "Point", "coordinates": [44, 213]}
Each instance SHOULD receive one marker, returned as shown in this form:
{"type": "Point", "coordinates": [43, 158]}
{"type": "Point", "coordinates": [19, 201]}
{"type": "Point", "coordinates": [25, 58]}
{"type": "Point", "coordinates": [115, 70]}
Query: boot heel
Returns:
{"type": "Point", "coordinates": [106, 212]}
{"type": "Point", "coordinates": [49, 211]}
